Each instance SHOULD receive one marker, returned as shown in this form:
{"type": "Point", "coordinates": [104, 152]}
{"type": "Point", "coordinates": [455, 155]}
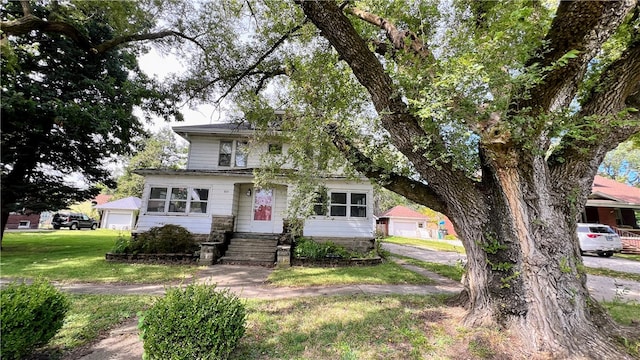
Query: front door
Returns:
{"type": "Point", "coordinates": [263, 210]}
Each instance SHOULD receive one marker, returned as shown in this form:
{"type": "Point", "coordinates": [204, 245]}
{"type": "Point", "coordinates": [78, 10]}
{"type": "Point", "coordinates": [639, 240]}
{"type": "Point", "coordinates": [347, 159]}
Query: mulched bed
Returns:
{"type": "Point", "coordinates": [336, 262]}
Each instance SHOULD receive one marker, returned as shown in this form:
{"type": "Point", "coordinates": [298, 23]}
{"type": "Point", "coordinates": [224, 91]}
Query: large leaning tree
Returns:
{"type": "Point", "coordinates": [496, 114]}
{"type": "Point", "coordinates": [69, 87]}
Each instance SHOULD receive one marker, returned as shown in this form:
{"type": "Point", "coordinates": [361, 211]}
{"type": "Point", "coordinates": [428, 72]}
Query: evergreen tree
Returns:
{"type": "Point", "coordinates": [65, 109]}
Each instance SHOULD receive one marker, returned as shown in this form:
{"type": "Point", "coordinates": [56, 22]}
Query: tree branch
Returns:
{"type": "Point", "coordinates": [402, 40]}
{"type": "Point", "coordinates": [273, 48]}
{"type": "Point", "coordinates": [110, 44]}
{"type": "Point", "coordinates": [413, 190]}
{"type": "Point", "coordinates": [30, 22]}
{"type": "Point", "coordinates": [618, 89]}
{"type": "Point", "coordinates": [581, 26]}
{"type": "Point", "coordinates": [405, 129]}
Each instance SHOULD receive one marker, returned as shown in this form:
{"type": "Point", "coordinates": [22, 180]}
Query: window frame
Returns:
{"type": "Point", "coordinates": [355, 206]}
{"type": "Point", "coordinates": [348, 208]}
{"type": "Point", "coordinates": [229, 154]}
{"type": "Point", "coordinates": [188, 201]}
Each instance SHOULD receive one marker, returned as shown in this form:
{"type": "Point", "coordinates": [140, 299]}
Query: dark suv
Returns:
{"type": "Point", "coordinates": [73, 221]}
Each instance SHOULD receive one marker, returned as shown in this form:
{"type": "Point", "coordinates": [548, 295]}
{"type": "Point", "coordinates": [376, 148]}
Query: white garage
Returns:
{"type": "Point", "coordinates": [120, 214]}
{"type": "Point", "coordinates": [402, 221]}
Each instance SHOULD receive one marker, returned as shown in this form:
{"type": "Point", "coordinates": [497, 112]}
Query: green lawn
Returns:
{"type": "Point", "coordinates": [77, 256]}
{"type": "Point", "coordinates": [351, 327]}
{"type": "Point", "coordinates": [628, 256]}
{"type": "Point", "coordinates": [386, 273]}
{"type": "Point", "coordinates": [442, 245]}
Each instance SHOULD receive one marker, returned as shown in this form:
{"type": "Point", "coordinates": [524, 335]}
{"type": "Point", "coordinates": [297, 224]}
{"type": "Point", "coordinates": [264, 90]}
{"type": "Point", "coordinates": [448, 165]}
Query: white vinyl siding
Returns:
{"type": "Point", "coordinates": [204, 153]}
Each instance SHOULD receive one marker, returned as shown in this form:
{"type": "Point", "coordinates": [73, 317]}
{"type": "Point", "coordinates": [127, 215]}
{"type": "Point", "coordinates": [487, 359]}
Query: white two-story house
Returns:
{"type": "Point", "coordinates": [215, 196]}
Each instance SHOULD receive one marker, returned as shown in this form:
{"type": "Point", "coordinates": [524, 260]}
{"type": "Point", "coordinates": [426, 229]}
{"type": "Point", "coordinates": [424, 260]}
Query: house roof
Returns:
{"type": "Point", "coordinates": [402, 212]}
{"type": "Point", "coordinates": [130, 203]}
{"type": "Point", "coordinates": [102, 199]}
{"type": "Point", "coordinates": [607, 191]}
{"type": "Point", "coordinates": [239, 128]}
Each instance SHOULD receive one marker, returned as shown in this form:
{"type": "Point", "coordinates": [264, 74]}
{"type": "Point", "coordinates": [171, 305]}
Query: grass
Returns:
{"type": "Point", "coordinates": [442, 245]}
{"type": "Point", "coordinates": [350, 327]}
{"type": "Point", "coordinates": [92, 315]}
{"type": "Point", "coordinates": [612, 273]}
{"type": "Point", "coordinates": [386, 273]}
{"type": "Point", "coordinates": [450, 271]}
{"type": "Point", "coordinates": [628, 256]}
{"type": "Point", "coordinates": [78, 256]}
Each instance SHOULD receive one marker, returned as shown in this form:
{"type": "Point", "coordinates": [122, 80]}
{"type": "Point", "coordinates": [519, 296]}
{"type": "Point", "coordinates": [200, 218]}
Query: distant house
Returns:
{"type": "Point", "coordinates": [402, 221]}
{"type": "Point", "coordinates": [23, 221]}
{"type": "Point", "coordinates": [119, 214]}
{"type": "Point", "coordinates": [615, 204]}
{"type": "Point", "coordinates": [612, 203]}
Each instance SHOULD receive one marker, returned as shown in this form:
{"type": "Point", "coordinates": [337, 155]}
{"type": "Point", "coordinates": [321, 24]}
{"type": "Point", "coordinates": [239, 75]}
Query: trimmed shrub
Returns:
{"type": "Point", "coordinates": [30, 316]}
{"type": "Point", "coordinates": [167, 239]}
{"type": "Point", "coordinates": [197, 322]}
{"type": "Point", "coordinates": [307, 248]}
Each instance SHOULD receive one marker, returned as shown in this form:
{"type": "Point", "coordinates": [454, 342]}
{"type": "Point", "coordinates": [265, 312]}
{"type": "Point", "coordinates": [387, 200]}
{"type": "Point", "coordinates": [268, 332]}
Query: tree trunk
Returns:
{"type": "Point", "coordinates": [513, 276]}
{"type": "Point", "coordinates": [5, 218]}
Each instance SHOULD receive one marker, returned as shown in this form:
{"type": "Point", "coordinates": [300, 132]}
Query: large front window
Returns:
{"type": "Point", "coordinates": [178, 200]}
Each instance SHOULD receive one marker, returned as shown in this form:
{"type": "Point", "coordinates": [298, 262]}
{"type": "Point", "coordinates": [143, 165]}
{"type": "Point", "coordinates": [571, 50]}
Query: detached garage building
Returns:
{"type": "Point", "coordinates": [120, 214]}
{"type": "Point", "coordinates": [402, 221]}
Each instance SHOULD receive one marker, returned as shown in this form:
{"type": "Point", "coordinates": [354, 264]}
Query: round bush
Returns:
{"type": "Point", "coordinates": [197, 322]}
{"type": "Point", "coordinates": [30, 316]}
{"type": "Point", "coordinates": [167, 239]}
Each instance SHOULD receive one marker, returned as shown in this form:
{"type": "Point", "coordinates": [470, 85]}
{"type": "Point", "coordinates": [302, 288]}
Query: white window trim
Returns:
{"type": "Point", "coordinates": [27, 226]}
{"type": "Point", "coordinates": [348, 206]}
{"type": "Point", "coordinates": [167, 200]}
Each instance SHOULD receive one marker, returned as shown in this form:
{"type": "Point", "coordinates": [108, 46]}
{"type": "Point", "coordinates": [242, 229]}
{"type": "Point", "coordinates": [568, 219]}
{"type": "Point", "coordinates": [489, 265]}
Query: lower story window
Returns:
{"type": "Point", "coordinates": [178, 200]}
{"type": "Point", "coordinates": [346, 204]}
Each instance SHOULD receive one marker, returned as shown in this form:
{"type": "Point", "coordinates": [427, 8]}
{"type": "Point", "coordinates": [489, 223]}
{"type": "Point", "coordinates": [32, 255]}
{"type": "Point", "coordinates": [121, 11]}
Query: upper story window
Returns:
{"type": "Point", "coordinates": [178, 200]}
{"type": "Point", "coordinates": [241, 153]}
{"type": "Point", "coordinates": [233, 152]}
{"type": "Point", "coordinates": [226, 148]}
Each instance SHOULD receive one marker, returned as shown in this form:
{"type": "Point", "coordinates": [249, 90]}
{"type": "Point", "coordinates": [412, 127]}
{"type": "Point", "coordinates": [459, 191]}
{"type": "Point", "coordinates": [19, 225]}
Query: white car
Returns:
{"type": "Point", "coordinates": [598, 239]}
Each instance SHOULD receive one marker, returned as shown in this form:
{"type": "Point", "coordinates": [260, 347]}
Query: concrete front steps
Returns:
{"type": "Point", "coordinates": [251, 249]}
